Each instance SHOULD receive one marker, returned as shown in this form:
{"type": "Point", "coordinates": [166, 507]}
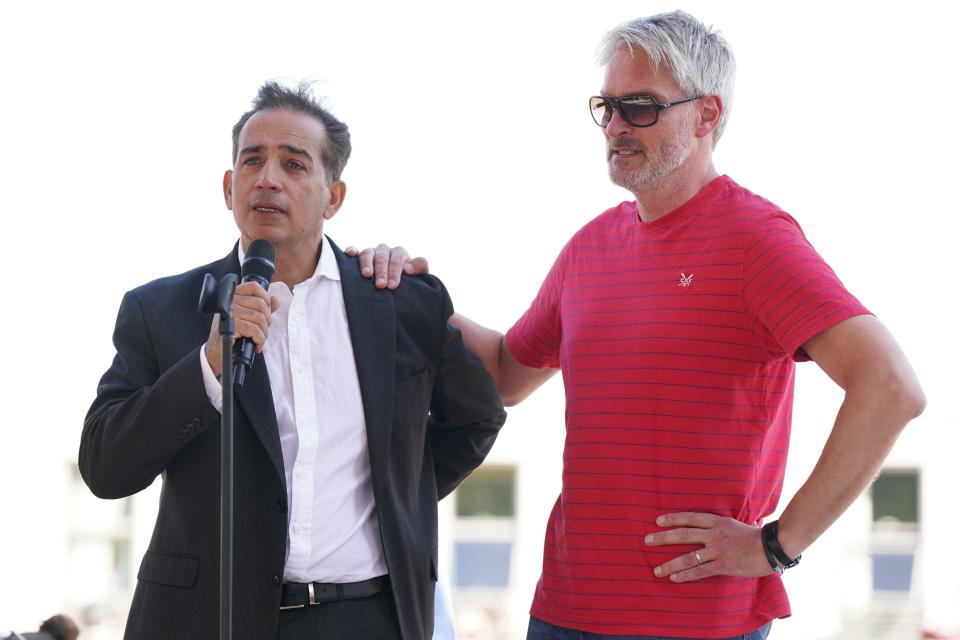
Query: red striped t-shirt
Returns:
{"type": "Point", "coordinates": [677, 341]}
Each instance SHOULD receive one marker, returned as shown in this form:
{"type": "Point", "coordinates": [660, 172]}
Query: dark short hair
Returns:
{"type": "Point", "coordinates": [273, 95]}
{"type": "Point", "coordinates": [60, 627]}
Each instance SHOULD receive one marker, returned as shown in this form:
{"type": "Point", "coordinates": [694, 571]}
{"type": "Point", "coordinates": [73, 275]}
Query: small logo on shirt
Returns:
{"type": "Point", "coordinates": [685, 280]}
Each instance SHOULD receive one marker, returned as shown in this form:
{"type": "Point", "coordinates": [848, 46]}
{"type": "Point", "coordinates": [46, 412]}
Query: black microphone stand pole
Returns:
{"type": "Point", "coordinates": [226, 479]}
{"type": "Point", "coordinates": [220, 299]}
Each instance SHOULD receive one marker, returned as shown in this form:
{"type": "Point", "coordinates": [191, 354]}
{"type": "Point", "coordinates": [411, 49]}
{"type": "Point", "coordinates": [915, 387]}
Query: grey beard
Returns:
{"type": "Point", "coordinates": [672, 155]}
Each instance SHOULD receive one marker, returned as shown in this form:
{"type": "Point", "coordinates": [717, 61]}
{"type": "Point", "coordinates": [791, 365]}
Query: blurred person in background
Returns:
{"type": "Point", "coordinates": [58, 627]}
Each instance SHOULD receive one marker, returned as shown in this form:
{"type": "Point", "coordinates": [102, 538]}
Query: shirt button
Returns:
{"type": "Point", "coordinates": [298, 530]}
{"type": "Point", "coordinates": [275, 580]}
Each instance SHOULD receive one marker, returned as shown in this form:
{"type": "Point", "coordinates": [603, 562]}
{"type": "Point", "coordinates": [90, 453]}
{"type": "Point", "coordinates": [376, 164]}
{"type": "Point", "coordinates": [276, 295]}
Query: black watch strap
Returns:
{"type": "Point", "coordinates": [766, 551]}
{"type": "Point", "coordinates": [774, 552]}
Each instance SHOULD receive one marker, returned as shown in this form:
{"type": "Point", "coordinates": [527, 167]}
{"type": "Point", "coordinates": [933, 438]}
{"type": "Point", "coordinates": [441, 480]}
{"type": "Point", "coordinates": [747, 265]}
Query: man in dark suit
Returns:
{"type": "Point", "coordinates": [363, 409]}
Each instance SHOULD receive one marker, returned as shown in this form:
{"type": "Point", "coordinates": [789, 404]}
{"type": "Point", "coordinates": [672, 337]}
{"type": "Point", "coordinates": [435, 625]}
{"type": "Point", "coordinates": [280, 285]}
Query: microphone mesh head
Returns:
{"type": "Point", "coordinates": [259, 260]}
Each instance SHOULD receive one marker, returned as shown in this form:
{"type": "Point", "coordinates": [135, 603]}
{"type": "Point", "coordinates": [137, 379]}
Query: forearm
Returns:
{"type": "Point", "coordinates": [882, 394]}
{"type": "Point", "coordinates": [486, 343]}
{"type": "Point", "coordinates": [514, 381]}
{"type": "Point", "coordinates": [874, 411]}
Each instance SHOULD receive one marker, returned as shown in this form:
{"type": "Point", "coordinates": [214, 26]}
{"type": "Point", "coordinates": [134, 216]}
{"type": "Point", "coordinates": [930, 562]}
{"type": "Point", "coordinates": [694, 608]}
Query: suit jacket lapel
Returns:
{"type": "Point", "coordinates": [256, 401]}
{"type": "Point", "coordinates": [371, 317]}
{"type": "Point", "coordinates": [254, 397]}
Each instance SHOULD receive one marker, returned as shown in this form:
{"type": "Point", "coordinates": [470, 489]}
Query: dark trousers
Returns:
{"type": "Point", "coordinates": [358, 619]}
{"type": "Point", "coordinates": [540, 630]}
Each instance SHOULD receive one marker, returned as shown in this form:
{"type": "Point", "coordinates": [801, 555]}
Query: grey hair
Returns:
{"type": "Point", "coordinates": [699, 58]}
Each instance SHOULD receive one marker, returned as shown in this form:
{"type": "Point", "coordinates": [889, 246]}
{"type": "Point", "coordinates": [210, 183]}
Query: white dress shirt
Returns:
{"type": "Point", "coordinates": [333, 534]}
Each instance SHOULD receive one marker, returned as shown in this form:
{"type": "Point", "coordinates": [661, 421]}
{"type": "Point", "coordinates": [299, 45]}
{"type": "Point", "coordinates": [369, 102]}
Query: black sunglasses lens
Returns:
{"type": "Point", "coordinates": [639, 113]}
{"type": "Point", "coordinates": [601, 109]}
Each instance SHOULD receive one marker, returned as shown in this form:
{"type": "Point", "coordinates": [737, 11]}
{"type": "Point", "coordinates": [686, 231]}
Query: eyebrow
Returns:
{"type": "Point", "coordinates": [287, 147]}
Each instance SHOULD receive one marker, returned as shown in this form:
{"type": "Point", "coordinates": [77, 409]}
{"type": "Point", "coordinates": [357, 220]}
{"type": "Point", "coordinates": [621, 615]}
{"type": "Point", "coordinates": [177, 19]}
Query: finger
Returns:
{"type": "Point", "coordinates": [253, 309]}
{"type": "Point", "coordinates": [680, 535]}
{"type": "Point", "coordinates": [699, 572]}
{"type": "Point", "coordinates": [351, 251]}
{"type": "Point", "coordinates": [416, 266]}
{"type": "Point", "coordinates": [260, 305]}
{"type": "Point", "coordinates": [398, 258]}
{"type": "Point", "coordinates": [252, 317]}
{"type": "Point", "coordinates": [212, 347]}
{"type": "Point", "coordinates": [252, 330]}
{"type": "Point", "coordinates": [249, 317]}
{"type": "Point", "coordinates": [247, 292]}
{"type": "Point", "coordinates": [381, 259]}
{"type": "Point", "coordinates": [689, 519]}
{"type": "Point", "coordinates": [683, 563]}
{"type": "Point", "coordinates": [214, 326]}
{"type": "Point", "coordinates": [366, 262]}
{"type": "Point", "coordinates": [251, 288]}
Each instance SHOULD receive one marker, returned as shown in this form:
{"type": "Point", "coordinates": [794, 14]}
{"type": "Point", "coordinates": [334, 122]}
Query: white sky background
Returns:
{"type": "Point", "coordinates": [473, 146]}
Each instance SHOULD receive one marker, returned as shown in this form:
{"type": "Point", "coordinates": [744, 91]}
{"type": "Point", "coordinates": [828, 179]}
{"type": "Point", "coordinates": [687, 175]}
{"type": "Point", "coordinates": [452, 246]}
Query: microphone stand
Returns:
{"type": "Point", "coordinates": [220, 299]}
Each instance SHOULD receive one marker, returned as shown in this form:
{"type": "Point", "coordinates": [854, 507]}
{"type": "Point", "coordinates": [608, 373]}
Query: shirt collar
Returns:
{"type": "Point", "coordinates": [326, 265]}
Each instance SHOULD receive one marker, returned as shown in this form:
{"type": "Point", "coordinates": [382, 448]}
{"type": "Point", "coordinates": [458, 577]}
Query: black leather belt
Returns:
{"type": "Point", "coordinates": [296, 595]}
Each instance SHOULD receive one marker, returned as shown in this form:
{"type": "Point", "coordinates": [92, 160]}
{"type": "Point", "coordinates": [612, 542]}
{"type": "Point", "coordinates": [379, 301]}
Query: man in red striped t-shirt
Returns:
{"type": "Point", "coordinates": [676, 319]}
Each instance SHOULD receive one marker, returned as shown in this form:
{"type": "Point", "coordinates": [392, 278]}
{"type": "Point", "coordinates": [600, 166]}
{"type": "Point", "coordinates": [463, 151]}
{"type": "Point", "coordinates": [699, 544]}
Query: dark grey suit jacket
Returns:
{"type": "Point", "coordinates": [431, 410]}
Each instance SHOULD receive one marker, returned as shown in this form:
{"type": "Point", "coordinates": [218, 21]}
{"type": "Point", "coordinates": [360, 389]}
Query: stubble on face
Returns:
{"type": "Point", "coordinates": [658, 164]}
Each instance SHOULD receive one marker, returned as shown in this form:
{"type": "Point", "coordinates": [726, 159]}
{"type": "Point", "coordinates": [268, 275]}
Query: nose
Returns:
{"type": "Point", "coordinates": [267, 179]}
{"type": "Point", "coordinates": [617, 126]}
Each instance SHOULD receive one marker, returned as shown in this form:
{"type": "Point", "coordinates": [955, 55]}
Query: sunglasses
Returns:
{"type": "Point", "coordinates": [636, 111]}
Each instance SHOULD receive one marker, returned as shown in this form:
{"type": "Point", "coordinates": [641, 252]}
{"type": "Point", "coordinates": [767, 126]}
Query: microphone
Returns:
{"type": "Point", "coordinates": [258, 266]}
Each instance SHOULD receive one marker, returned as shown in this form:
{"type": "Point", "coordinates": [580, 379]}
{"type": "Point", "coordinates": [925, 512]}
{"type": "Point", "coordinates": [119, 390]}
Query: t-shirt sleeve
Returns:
{"type": "Point", "coordinates": [535, 338]}
{"type": "Point", "coordinates": [790, 294]}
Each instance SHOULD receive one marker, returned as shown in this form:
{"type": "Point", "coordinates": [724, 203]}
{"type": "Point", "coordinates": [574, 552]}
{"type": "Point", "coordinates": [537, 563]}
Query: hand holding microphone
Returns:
{"type": "Point", "coordinates": [252, 309]}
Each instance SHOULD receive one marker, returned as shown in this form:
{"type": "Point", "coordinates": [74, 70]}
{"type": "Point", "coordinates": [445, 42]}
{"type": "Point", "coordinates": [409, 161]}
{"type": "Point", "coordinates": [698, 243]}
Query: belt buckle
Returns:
{"type": "Point", "coordinates": [311, 595]}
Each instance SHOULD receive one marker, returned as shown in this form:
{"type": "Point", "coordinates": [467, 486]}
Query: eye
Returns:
{"type": "Point", "coordinates": [295, 164]}
{"type": "Point", "coordinates": [251, 160]}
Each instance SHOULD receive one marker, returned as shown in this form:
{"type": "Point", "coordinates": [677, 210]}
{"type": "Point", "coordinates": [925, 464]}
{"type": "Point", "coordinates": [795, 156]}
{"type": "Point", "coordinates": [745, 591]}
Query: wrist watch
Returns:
{"type": "Point", "coordinates": [776, 556]}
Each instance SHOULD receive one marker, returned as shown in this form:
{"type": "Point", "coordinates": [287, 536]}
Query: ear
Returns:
{"type": "Point", "coordinates": [338, 191]}
{"type": "Point", "coordinates": [228, 188]}
{"type": "Point", "coordinates": [711, 107]}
